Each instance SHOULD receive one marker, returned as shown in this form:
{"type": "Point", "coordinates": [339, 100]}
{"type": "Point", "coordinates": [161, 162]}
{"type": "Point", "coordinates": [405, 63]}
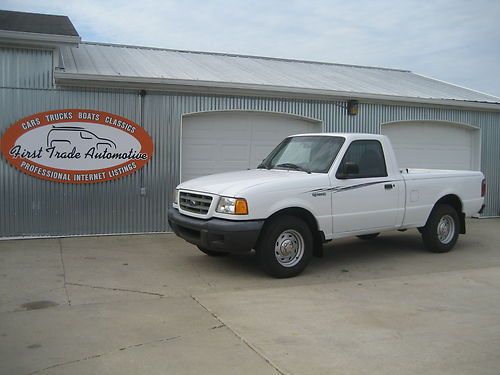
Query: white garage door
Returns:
{"type": "Point", "coordinates": [439, 145]}
{"type": "Point", "coordinates": [216, 142]}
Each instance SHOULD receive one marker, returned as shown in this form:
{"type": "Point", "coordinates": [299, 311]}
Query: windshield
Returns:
{"type": "Point", "coordinates": [307, 153]}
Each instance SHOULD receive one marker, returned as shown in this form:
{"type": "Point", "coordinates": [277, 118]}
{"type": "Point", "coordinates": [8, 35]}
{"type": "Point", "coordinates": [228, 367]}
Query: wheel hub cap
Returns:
{"type": "Point", "coordinates": [289, 248]}
{"type": "Point", "coordinates": [446, 229]}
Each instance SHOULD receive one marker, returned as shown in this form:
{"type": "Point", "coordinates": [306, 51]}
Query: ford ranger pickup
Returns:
{"type": "Point", "coordinates": [313, 188]}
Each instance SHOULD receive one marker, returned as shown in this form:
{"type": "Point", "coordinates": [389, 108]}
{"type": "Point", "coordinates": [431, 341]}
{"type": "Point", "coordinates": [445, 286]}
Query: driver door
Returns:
{"type": "Point", "coordinates": [364, 196]}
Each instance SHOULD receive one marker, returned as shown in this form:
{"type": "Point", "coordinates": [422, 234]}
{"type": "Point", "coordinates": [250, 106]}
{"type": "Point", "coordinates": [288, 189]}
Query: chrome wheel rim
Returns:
{"type": "Point", "coordinates": [446, 229]}
{"type": "Point", "coordinates": [289, 248]}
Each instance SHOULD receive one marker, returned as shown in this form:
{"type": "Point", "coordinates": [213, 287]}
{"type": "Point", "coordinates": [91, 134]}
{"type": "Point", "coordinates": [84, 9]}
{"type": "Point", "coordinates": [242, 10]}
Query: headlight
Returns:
{"type": "Point", "coordinates": [175, 198]}
{"type": "Point", "coordinates": [233, 206]}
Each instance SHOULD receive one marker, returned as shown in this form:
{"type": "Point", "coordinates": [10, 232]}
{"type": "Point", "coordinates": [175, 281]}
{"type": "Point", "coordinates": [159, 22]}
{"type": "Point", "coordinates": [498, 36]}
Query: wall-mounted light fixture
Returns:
{"type": "Point", "coordinates": [352, 107]}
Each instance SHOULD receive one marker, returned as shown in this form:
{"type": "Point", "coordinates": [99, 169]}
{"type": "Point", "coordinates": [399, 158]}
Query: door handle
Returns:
{"type": "Point", "coordinates": [389, 186]}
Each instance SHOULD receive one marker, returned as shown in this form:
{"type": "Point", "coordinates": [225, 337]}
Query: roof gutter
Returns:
{"type": "Point", "coordinates": [197, 86]}
{"type": "Point", "coordinates": [46, 40]}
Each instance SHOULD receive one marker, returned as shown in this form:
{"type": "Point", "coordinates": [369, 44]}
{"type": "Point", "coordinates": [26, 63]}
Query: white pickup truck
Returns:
{"type": "Point", "coordinates": [313, 188]}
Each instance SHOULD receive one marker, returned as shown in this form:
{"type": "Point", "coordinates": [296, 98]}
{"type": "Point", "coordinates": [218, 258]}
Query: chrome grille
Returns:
{"type": "Point", "coordinates": [192, 202]}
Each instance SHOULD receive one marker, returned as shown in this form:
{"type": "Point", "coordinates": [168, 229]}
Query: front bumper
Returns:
{"type": "Point", "coordinates": [216, 234]}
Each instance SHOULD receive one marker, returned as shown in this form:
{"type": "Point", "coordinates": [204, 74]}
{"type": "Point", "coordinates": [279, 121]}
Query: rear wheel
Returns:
{"type": "Point", "coordinates": [440, 233]}
{"type": "Point", "coordinates": [212, 253]}
{"type": "Point", "coordinates": [370, 236]}
{"type": "Point", "coordinates": [286, 247]}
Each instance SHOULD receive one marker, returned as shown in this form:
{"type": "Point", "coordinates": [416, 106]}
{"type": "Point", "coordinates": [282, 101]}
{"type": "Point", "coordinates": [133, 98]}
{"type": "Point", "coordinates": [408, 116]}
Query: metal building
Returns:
{"type": "Point", "coordinates": [211, 112]}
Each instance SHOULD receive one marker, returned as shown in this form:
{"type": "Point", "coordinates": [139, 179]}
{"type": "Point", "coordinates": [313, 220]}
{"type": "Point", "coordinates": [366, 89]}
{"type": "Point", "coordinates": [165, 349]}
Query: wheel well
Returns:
{"type": "Point", "coordinates": [456, 203]}
{"type": "Point", "coordinates": [452, 200]}
{"type": "Point", "coordinates": [309, 219]}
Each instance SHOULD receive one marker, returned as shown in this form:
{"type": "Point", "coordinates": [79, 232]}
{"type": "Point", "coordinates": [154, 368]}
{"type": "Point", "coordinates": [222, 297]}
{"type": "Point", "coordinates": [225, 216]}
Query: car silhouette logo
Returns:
{"type": "Point", "coordinates": [76, 135]}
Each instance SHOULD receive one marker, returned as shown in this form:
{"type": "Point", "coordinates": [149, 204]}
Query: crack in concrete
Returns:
{"type": "Point", "coordinates": [254, 349]}
{"type": "Point", "coordinates": [64, 272]}
{"type": "Point", "coordinates": [122, 349]}
{"type": "Point", "coordinates": [104, 354]}
{"type": "Point", "coordinates": [149, 342]}
{"type": "Point", "coordinates": [218, 326]}
{"type": "Point", "coordinates": [116, 289]}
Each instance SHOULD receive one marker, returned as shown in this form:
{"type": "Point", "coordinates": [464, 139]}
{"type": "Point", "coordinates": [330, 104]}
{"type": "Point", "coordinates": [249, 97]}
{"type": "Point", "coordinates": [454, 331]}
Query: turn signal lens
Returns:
{"type": "Point", "coordinates": [241, 207]}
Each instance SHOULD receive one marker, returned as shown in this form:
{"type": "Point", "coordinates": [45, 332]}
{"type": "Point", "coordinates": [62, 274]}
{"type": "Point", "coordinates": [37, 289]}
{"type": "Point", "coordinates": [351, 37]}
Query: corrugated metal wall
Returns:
{"type": "Point", "coordinates": [170, 108]}
{"type": "Point", "coordinates": [28, 68]}
{"type": "Point", "coordinates": [33, 207]}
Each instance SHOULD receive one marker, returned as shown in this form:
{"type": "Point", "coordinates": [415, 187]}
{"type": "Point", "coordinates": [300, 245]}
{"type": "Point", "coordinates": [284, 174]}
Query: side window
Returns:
{"type": "Point", "coordinates": [363, 159]}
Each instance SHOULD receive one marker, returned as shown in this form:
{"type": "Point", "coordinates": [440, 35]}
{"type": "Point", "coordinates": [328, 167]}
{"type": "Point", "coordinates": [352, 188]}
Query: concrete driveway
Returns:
{"type": "Point", "coordinates": [153, 304]}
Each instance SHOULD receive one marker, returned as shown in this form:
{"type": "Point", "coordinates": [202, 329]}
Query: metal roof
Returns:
{"type": "Point", "coordinates": [133, 66]}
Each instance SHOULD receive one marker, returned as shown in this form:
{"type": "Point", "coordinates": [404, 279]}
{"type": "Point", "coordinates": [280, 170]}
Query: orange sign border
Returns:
{"type": "Point", "coordinates": [9, 138]}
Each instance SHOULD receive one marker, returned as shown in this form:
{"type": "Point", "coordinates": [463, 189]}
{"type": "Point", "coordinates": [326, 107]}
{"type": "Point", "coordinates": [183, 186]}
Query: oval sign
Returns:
{"type": "Point", "coordinates": [76, 146]}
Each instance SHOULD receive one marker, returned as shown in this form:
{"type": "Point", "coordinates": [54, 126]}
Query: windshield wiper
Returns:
{"type": "Point", "coordinates": [263, 165]}
{"type": "Point", "coordinates": [294, 166]}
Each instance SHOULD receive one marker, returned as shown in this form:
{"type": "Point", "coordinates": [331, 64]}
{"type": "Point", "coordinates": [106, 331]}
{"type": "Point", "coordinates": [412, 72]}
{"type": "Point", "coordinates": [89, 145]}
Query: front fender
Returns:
{"type": "Point", "coordinates": [289, 203]}
{"type": "Point", "coordinates": [319, 207]}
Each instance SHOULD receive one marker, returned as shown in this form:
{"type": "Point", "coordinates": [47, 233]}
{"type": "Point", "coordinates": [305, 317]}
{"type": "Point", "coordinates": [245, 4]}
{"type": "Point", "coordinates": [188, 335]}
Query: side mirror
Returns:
{"type": "Point", "coordinates": [347, 169]}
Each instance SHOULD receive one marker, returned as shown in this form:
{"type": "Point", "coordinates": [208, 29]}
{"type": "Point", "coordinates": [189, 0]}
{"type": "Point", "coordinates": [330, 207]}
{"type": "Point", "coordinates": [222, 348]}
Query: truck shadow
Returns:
{"type": "Point", "coordinates": [389, 250]}
{"type": "Point", "coordinates": [389, 255]}
{"type": "Point", "coordinates": [386, 245]}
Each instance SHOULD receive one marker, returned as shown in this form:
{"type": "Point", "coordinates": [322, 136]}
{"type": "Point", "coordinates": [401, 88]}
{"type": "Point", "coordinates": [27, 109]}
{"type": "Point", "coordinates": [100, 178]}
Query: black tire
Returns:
{"type": "Point", "coordinates": [370, 236]}
{"type": "Point", "coordinates": [440, 233]}
{"type": "Point", "coordinates": [213, 253]}
{"type": "Point", "coordinates": [293, 236]}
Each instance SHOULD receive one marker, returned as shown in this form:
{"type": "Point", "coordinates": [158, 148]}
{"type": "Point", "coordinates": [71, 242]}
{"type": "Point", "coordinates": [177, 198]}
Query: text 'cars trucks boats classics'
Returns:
{"type": "Point", "coordinates": [313, 188]}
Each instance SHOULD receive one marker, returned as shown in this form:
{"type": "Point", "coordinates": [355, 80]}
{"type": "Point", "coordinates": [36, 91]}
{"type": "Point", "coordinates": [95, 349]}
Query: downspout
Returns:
{"type": "Point", "coordinates": [142, 99]}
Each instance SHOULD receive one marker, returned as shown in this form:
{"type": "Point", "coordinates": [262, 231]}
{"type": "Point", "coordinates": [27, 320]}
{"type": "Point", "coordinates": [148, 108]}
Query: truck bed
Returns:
{"type": "Point", "coordinates": [419, 173]}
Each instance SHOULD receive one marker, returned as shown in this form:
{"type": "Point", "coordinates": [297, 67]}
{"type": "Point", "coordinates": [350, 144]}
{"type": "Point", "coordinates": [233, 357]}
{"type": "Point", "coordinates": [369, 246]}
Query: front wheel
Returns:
{"type": "Point", "coordinates": [440, 233]}
{"type": "Point", "coordinates": [286, 247]}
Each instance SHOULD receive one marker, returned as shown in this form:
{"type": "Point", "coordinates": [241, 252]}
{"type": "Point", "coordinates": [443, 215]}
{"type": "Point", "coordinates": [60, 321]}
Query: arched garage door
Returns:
{"type": "Point", "coordinates": [214, 142]}
{"type": "Point", "coordinates": [439, 145]}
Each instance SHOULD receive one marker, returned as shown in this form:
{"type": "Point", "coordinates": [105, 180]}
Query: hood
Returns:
{"type": "Point", "coordinates": [234, 183]}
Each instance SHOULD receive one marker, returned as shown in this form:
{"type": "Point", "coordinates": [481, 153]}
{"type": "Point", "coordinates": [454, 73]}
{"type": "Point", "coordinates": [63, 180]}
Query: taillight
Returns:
{"type": "Point", "coordinates": [483, 187]}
